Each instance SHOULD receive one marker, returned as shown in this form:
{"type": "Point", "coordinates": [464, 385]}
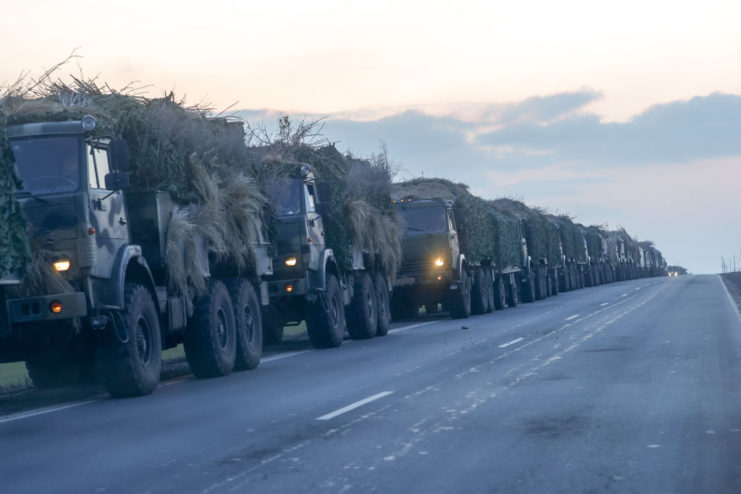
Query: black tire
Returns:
{"type": "Point", "coordinates": [513, 292]}
{"type": "Point", "coordinates": [460, 303]}
{"type": "Point", "coordinates": [478, 293]}
{"type": "Point", "coordinates": [210, 339]}
{"type": "Point", "coordinates": [325, 318]}
{"type": "Point", "coordinates": [499, 293]}
{"type": "Point", "coordinates": [248, 321]}
{"type": "Point", "coordinates": [528, 289]}
{"type": "Point", "coordinates": [540, 292]}
{"type": "Point", "coordinates": [490, 306]}
{"type": "Point", "coordinates": [554, 281]}
{"type": "Point", "coordinates": [563, 279]}
{"type": "Point", "coordinates": [130, 354]}
{"type": "Point", "coordinates": [382, 304]}
{"type": "Point", "coordinates": [548, 283]}
{"type": "Point", "coordinates": [56, 367]}
{"type": "Point", "coordinates": [362, 315]}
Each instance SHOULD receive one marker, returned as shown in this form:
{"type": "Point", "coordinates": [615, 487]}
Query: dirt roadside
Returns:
{"type": "Point", "coordinates": [733, 283]}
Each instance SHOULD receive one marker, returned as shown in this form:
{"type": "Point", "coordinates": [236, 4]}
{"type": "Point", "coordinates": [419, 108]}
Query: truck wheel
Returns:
{"type": "Point", "coordinates": [489, 291]}
{"type": "Point", "coordinates": [130, 355]}
{"type": "Point", "coordinates": [539, 285]}
{"type": "Point", "coordinates": [528, 289]}
{"type": "Point", "coordinates": [362, 320]}
{"type": "Point", "coordinates": [500, 297]}
{"type": "Point", "coordinates": [382, 304]}
{"type": "Point", "coordinates": [325, 318]}
{"type": "Point", "coordinates": [460, 303]}
{"type": "Point", "coordinates": [478, 292]}
{"type": "Point", "coordinates": [210, 339]}
{"type": "Point", "coordinates": [248, 323]}
{"type": "Point", "coordinates": [512, 293]}
{"type": "Point", "coordinates": [272, 332]}
{"type": "Point", "coordinates": [554, 281]}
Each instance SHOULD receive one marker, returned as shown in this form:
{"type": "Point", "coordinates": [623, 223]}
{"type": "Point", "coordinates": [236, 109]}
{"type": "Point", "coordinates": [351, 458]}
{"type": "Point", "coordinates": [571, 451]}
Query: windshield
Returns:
{"type": "Point", "coordinates": [424, 220]}
{"type": "Point", "coordinates": [47, 165]}
{"type": "Point", "coordinates": [285, 195]}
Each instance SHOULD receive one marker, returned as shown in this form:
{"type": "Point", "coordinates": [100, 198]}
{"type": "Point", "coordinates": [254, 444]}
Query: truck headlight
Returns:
{"type": "Point", "coordinates": [60, 266]}
{"type": "Point", "coordinates": [439, 262]}
{"type": "Point", "coordinates": [291, 261]}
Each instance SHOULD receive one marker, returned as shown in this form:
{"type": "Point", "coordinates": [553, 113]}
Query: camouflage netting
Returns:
{"type": "Point", "coordinates": [14, 244]}
{"type": "Point", "coordinates": [202, 162]}
{"type": "Point", "coordinates": [475, 223]}
{"type": "Point", "coordinates": [572, 238]}
{"type": "Point", "coordinates": [360, 210]}
{"type": "Point", "coordinates": [594, 235]}
{"type": "Point", "coordinates": [541, 234]}
{"type": "Point", "coordinates": [508, 237]}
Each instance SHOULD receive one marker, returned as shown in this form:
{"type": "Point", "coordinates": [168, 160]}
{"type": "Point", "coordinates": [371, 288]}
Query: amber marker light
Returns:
{"type": "Point", "coordinates": [56, 307]}
{"type": "Point", "coordinates": [291, 261]}
{"type": "Point", "coordinates": [60, 266]}
{"type": "Point", "coordinates": [289, 288]}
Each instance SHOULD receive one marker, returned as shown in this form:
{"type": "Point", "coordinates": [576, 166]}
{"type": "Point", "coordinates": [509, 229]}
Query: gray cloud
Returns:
{"type": "Point", "coordinates": [681, 131]}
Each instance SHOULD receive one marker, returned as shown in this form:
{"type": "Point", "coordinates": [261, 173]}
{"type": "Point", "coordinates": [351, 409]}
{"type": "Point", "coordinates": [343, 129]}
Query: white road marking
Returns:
{"type": "Point", "coordinates": [282, 356]}
{"type": "Point", "coordinates": [353, 406]}
{"type": "Point", "coordinates": [624, 295]}
{"type": "Point", "coordinates": [412, 326]}
{"type": "Point", "coordinates": [572, 317]}
{"type": "Point", "coordinates": [606, 303]}
{"type": "Point", "coordinates": [510, 343]}
{"type": "Point", "coordinates": [44, 411]}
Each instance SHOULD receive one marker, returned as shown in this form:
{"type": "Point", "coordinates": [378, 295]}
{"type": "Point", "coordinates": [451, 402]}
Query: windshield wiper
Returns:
{"type": "Point", "coordinates": [25, 193]}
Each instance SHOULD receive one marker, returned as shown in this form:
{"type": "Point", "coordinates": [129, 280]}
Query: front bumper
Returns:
{"type": "Point", "coordinates": [36, 309]}
{"type": "Point", "coordinates": [278, 288]}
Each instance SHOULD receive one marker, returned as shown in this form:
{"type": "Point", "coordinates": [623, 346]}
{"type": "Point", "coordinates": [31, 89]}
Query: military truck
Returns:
{"type": "Point", "coordinates": [460, 253]}
{"type": "Point", "coordinates": [310, 283]}
{"type": "Point", "coordinates": [106, 246]}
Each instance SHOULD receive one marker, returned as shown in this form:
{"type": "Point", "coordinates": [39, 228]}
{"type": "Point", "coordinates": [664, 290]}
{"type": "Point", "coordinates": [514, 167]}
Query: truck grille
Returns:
{"type": "Point", "coordinates": [414, 265]}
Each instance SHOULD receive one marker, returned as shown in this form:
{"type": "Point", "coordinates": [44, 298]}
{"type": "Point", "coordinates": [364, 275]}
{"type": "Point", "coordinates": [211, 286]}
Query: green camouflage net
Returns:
{"type": "Point", "coordinates": [359, 210]}
{"type": "Point", "coordinates": [594, 235]}
{"type": "Point", "coordinates": [474, 220]}
{"type": "Point", "coordinates": [541, 235]}
{"type": "Point", "coordinates": [15, 252]}
{"type": "Point", "coordinates": [203, 162]}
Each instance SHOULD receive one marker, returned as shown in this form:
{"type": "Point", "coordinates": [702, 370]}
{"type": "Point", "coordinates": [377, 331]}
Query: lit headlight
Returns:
{"type": "Point", "coordinates": [291, 261]}
{"type": "Point", "coordinates": [60, 266]}
{"type": "Point", "coordinates": [439, 262]}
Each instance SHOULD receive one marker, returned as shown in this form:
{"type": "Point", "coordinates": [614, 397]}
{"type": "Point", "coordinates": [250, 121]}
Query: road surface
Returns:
{"type": "Point", "coordinates": [628, 387]}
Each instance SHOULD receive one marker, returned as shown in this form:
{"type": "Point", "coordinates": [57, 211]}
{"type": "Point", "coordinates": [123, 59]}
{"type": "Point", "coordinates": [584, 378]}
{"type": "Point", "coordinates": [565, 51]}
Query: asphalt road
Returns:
{"type": "Point", "coordinates": [629, 387]}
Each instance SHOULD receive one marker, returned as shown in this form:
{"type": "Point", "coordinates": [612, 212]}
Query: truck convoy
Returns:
{"type": "Point", "coordinates": [131, 225]}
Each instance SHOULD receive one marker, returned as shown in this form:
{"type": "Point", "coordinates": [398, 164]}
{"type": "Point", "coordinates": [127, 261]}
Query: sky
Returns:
{"type": "Point", "coordinates": [623, 113]}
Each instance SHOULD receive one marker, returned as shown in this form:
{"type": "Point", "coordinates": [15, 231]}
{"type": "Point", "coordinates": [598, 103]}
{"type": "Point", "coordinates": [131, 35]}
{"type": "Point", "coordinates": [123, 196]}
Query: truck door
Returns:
{"type": "Point", "coordinates": [107, 211]}
{"type": "Point", "coordinates": [314, 225]}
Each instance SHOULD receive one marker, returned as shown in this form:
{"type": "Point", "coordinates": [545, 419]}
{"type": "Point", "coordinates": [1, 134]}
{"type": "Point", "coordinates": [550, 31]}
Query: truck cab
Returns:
{"type": "Point", "coordinates": [433, 268]}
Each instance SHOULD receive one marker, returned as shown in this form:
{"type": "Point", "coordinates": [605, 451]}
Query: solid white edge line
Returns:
{"type": "Point", "coordinates": [44, 411]}
{"type": "Point", "coordinates": [509, 343]}
{"type": "Point", "coordinates": [353, 406]}
{"type": "Point", "coordinates": [606, 303]}
{"type": "Point", "coordinates": [404, 328]}
{"type": "Point", "coordinates": [572, 317]}
{"type": "Point", "coordinates": [624, 295]}
{"type": "Point", "coordinates": [734, 306]}
{"type": "Point", "coordinates": [282, 356]}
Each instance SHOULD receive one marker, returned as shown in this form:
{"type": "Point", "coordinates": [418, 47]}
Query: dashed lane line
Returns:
{"type": "Point", "coordinates": [510, 343]}
{"type": "Point", "coordinates": [353, 406]}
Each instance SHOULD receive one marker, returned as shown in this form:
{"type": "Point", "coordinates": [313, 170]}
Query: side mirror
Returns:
{"type": "Point", "coordinates": [117, 180]}
{"type": "Point", "coordinates": [120, 152]}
